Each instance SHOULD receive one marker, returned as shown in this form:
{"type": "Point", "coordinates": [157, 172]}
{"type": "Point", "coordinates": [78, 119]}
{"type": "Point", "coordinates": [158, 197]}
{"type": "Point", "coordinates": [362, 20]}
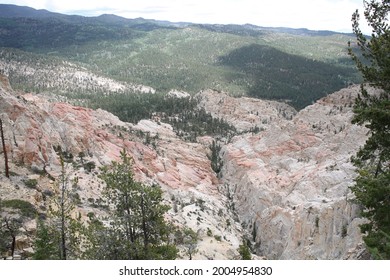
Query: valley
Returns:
{"type": "Point", "coordinates": [246, 129]}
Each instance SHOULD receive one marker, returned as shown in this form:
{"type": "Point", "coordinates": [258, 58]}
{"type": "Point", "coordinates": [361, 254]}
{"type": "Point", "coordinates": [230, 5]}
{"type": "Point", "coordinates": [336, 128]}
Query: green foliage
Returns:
{"type": "Point", "coordinates": [244, 251]}
{"type": "Point", "coordinates": [188, 238]}
{"type": "Point", "coordinates": [25, 208]}
{"type": "Point", "coordinates": [187, 119]}
{"type": "Point", "coordinates": [89, 166]}
{"type": "Point", "coordinates": [274, 74]}
{"type": "Point", "coordinates": [296, 65]}
{"type": "Point", "coordinates": [218, 238]}
{"type": "Point", "coordinates": [45, 243]}
{"type": "Point", "coordinates": [137, 227]}
{"type": "Point", "coordinates": [216, 161]}
{"type": "Point", "coordinates": [372, 186]}
{"type": "Point", "coordinates": [59, 32]}
{"type": "Point", "coordinates": [63, 230]}
{"type": "Point", "coordinates": [3, 236]}
{"type": "Point", "coordinates": [13, 213]}
{"type": "Point", "coordinates": [31, 183]}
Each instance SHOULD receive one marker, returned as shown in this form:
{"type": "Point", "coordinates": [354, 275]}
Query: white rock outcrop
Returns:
{"type": "Point", "coordinates": [285, 185]}
{"type": "Point", "coordinates": [290, 182]}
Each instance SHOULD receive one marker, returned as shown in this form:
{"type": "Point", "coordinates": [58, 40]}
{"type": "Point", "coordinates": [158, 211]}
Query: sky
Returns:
{"type": "Point", "coordinates": [332, 15]}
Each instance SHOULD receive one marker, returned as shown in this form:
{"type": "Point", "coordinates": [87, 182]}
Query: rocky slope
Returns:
{"type": "Point", "coordinates": [284, 185]}
{"type": "Point", "coordinates": [290, 182]}
{"type": "Point", "coordinates": [53, 74]}
{"type": "Point", "coordinates": [34, 128]}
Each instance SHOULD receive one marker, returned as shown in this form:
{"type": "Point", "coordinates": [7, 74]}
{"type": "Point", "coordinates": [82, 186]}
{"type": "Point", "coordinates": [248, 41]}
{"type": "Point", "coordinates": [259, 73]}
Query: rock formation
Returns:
{"type": "Point", "coordinates": [284, 181]}
{"type": "Point", "coordinates": [290, 182]}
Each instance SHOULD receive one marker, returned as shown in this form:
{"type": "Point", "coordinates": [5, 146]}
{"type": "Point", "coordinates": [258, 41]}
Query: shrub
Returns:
{"type": "Point", "coordinates": [25, 207]}
{"type": "Point", "coordinates": [31, 183]}
{"type": "Point", "coordinates": [218, 237]}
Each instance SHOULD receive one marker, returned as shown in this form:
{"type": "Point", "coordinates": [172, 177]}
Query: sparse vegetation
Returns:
{"type": "Point", "coordinates": [31, 183]}
{"type": "Point", "coordinates": [189, 240]}
{"type": "Point", "coordinates": [344, 231]}
{"type": "Point", "coordinates": [13, 214]}
{"type": "Point", "coordinates": [244, 251]}
{"type": "Point", "coordinates": [25, 208]}
{"type": "Point", "coordinates": [218, 238]}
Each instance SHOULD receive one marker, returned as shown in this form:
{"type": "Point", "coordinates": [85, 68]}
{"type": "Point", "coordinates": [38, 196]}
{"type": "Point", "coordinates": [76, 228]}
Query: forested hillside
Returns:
{"type": "Point", "coordinates": [297, 66]}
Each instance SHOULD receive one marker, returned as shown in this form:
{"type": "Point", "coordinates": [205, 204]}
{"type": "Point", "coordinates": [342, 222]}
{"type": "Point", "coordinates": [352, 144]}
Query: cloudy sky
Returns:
{"type": "Point", "coordinates": [313, 14]}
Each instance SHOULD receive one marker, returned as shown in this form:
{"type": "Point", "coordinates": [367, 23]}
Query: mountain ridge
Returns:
{"type": "Point", "coordinates": [9, 10]}
{"type": "Point", "coordinates": [188, 57]}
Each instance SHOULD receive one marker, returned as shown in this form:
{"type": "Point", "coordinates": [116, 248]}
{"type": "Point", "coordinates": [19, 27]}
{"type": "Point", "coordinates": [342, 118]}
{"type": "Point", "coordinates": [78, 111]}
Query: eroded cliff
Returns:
{"type": "Point", "coordinates": [283, 185]}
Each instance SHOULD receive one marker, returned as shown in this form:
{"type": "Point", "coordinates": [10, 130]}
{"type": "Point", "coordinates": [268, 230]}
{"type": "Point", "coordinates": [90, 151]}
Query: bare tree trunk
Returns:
{"type": "Point", "coordinates": [12, 232]}
{"type": "Point", "coordinates": [4, 150]}
{"type": "Point", "coordinates": [144, 227]}
{"type": "Point", "coordinates": [62, 205]}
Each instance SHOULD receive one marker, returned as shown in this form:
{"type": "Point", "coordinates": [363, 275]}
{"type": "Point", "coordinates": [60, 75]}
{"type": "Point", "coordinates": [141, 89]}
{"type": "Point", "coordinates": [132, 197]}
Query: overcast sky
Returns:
{"type": "Point", "coordinates": [312, 14]}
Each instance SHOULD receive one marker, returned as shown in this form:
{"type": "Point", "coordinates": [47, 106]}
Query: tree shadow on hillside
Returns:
{"type": "Point", "coordinates": [273, 74]}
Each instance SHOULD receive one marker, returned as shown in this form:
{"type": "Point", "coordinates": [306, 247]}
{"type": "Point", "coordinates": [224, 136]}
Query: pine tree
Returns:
{"type": "Point", "coordinates": [45, 244]}
{"type": "Point", "coordinates": [214, 157]}
{"type": "Point", "coordinates": [372, 186]}
{"type": "Point", "coordinates": [244, 251]}
{"type": "Point", "coordinates": [59, 237]}
{"type": "Point", "coordinates": [137, 227]}
{"type": "Point", "coordinates": [190, 242]}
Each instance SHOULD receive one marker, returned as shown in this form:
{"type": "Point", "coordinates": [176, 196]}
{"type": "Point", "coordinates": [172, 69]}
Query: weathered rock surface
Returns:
{"type": "Point", "coordinates": [35, 128]}
{"type": "Point", "coordinates": [286, 182]}
{"type": "Point", "coordinates": [60, 75]}
{"type": "Point", "coordinates": [290, 182]}
{"type": "Point", "coordinates": [244, 113]}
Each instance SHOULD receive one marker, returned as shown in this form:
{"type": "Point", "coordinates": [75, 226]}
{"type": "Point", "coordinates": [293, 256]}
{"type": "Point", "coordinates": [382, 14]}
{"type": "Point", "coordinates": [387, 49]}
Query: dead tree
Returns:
{"type": "Point", "coordinates": [4, 149]}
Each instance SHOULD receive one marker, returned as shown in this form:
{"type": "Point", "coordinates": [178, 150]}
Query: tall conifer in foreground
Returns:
{"type": "Point", "coordinates": [372, 186]}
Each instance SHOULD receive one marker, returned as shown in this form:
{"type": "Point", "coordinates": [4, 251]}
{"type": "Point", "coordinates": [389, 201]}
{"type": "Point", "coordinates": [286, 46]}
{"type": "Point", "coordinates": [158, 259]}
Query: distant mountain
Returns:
{"type": "Point", "coordinates": [253, 30]}
{"type": "Point", "coordinates": [295, 31]}
{"type": "Point", "coordinates": [13, 11]}
{"type": "Point", "coordinates": [27, 28]}
{"type": "Point", "coordinates": [297, 65]}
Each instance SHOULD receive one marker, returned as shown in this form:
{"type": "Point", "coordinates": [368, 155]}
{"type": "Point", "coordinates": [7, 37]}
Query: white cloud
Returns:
{"type": "Point", "coordinates": [318, 14]}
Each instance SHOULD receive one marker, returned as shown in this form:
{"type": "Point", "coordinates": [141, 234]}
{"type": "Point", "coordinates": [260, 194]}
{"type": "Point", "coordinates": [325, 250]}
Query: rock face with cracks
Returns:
{"type": "Point", "coordinates": [290, 182]}
{"type": "Point", "coordinates": [35, 129]}
{"type": "Point", "coordinates": [284, 186]}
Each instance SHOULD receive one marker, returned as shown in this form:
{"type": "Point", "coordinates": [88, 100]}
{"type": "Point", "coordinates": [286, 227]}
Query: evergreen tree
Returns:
{"type": "Point", "coordinates": [244, 251]}
{"type": "Point", "coordinates": [216, 161]}
{"type": "Point", "coordinates": [13, 214]}
{"type": "Point", "coordinates": [59, 237]}
{"type": "Point", "coordinates": [372, 186]}
{"type": "Point", "coordinates": [45, 244]}
{"type": "Point", "coordinates": [137, 227]}
{"type": "Point", "coordinates": [189, 239]}
{"type": "Point", "coordinates": [3, 236]}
